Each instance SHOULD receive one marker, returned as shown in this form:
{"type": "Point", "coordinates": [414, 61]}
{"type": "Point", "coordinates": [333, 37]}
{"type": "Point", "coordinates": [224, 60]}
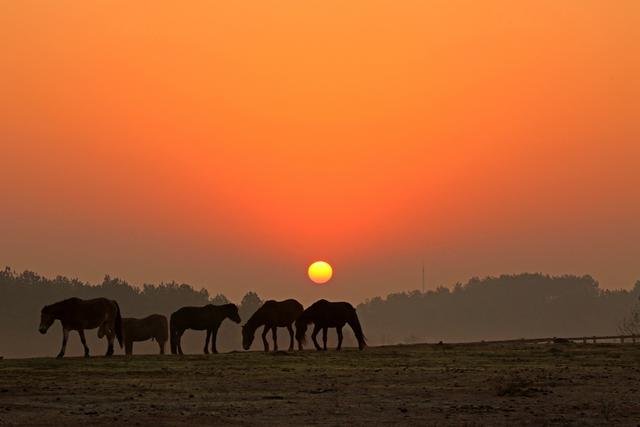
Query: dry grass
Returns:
{"type": "Point", "coordinates": [484, 384]}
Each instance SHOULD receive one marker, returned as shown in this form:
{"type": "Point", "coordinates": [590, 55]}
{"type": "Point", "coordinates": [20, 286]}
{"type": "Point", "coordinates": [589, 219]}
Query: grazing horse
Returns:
{"type": "Point", "coordinates": [272, 314]}
{"type": "Point", "coordinates": [154, 327]}
{"type": "Point", "coordinates": [76, 314]}
{"type": "Point", "coordinates": [204, 318]}
{"type": "Point", "coordinates": [324, 315]}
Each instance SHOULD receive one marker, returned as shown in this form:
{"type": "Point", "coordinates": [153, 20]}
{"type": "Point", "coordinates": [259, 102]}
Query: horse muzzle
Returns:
{"type": "Point", "coordinates": [42, 330]}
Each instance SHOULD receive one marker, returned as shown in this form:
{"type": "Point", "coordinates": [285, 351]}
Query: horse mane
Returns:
{"type": "Point", "coordinates": [51, 308]}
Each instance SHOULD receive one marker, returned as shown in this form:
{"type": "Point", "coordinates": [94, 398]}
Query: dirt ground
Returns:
{"type": "Point", "coordinates": [483, 384]}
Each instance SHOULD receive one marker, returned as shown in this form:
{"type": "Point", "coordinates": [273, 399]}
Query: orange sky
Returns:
{"type": "Point", "coordinates": [228, 144]}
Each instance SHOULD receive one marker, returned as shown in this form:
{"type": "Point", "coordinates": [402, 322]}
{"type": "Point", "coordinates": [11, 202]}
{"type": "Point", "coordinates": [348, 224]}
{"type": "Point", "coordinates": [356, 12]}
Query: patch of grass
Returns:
{"type": "Point", "coordinates": [606, 408]}
{"type": "Point", "coordinates": [513, 385]}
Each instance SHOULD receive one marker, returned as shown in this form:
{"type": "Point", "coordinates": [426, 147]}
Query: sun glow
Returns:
{"type": "Point", "coordinates": [320, 272]}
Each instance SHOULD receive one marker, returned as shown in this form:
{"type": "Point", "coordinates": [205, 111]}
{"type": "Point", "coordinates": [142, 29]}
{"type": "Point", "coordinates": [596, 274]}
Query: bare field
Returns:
{"type": "Point", "coordinates": [483, 384]}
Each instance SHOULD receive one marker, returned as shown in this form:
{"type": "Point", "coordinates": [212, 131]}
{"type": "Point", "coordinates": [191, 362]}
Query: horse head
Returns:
{"type": "Point", "coordinates": [232, 313]}
{"type": "Point", "coordinates": [46, 319]}
{"type": "Point", "coordinates": [247, 336]}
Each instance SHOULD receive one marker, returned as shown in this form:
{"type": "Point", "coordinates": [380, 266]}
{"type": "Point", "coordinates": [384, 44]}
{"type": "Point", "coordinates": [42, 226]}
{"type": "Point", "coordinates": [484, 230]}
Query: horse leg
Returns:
{"type": "Point", "coordinates": [206, 342]}
{"type": "Point", "coordinates": [290, 329]}
{"type": "Point", "coordinates": [265, 330]}
{"type": "Point", "coordinates": [274, 333]}
{"type": "Point", "coordinates": [110, 337]}
{"type": "Point", "coordinates": [214, 335]}
{"type": "Point", "coordinates": [128, 347]}
{"type": "Point", "coordinates": [179, 339]}
{"type": "Point", "coordinates": [339, 331]}
{"type": "Point", "coordinates": [161, 344]}
{"type": "Point", "coordinates": [316, 329]}
{"type": "Point", "coordinates": [84, 342]}
{"type": "Point", "coordinates": [65, 337]}
{"type": "Point", "coordinates": [324, 338]}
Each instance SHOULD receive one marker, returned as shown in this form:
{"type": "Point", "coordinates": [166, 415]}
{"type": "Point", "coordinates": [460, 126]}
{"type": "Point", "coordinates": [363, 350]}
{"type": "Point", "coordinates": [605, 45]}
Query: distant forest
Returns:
{"type": "Point", "coordinates": [509, 306]}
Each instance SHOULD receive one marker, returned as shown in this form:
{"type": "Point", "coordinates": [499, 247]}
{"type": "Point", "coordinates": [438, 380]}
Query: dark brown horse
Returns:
{"type": "Point", "coordinates": [272, 314]}
{"type": "Point", "coordinates": [154, 327]}
{"type": "Point", "coordinates": [324, 315]}
{"type": "Point", "coordinates": [76, 314]}
{"type": "Point", "coordinates": [207, 318]}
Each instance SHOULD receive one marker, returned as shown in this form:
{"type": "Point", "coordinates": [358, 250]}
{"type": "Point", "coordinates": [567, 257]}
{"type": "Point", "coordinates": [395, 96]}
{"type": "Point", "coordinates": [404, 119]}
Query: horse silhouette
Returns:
{"type": "Point", "coordinates": [76, 314]}
{"type": "Point", "coordinates": [272, 314]}
{"type": "Point", "coordinates": [207, 318]}
{"type": "Point", "coordinates": [154, 327]}
{"type": "Point", "coordinates": [324, 315]}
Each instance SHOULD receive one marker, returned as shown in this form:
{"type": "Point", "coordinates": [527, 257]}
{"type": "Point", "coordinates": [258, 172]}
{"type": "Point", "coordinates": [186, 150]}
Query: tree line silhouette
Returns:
{"type": "Point", "coordinates": [505, 307]}
{"type": "Point", "coordinates": [508, 306]}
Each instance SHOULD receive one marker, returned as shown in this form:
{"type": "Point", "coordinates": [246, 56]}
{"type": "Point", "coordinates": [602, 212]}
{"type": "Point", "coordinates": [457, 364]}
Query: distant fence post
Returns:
{"type": "Point", "coordinates": [621, 340]}
{"type": "Point", "coordinates": [594, 340]}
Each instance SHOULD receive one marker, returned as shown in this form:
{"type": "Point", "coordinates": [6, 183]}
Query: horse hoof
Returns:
{"type": "Point", "coordinates": [60, 356]}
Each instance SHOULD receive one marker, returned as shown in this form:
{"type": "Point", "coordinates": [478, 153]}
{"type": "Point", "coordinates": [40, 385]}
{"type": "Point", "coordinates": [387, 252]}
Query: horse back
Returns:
{"type": "Point", "coordinates": [76, 313]}
{"type": "Point", "coordinates": [280, 313]}
{"type": "Point", "coordinates": [150, 327]}
{"type": "Point", "coordinates": [329, 314]}
{"type": "Point", "coordinates": [198, 318]}
{"type": "Point", "coordinates": [292, 309]}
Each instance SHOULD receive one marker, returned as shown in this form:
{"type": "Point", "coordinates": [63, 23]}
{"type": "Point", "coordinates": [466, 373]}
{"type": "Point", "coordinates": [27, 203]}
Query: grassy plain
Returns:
{"type": "Point", "coordinates": [479, 384]}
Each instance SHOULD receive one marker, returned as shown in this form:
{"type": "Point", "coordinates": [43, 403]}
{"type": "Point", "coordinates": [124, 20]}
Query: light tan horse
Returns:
{"type": "Point", "coordinates": [154, 327]}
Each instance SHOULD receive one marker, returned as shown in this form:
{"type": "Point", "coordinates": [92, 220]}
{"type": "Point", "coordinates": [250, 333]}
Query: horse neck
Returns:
{"type": "Point", "coordinates": [57, 310]}
{"type": "Point", "coordinates": [352, 320]}
{"type": "Point", "coordinates": [255, 321]}
{"type": "Point", "coordinates": [227, 311]}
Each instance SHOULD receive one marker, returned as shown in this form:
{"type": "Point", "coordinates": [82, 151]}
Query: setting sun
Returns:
{"type": "Point", "coordinates": [320, 272]}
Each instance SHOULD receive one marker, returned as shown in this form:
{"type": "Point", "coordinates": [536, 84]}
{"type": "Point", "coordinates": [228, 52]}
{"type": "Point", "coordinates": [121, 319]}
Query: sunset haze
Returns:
{"type": "Point", "coordinates": [231, 144]}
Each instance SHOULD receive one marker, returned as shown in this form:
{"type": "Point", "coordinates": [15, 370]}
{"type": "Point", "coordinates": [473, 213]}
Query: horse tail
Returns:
{"type": "Point", "coordinates": [301, 337]}
{"type": "Point", "coordinates": [357, 330]}
{"type": "Point", "coordinates": [173, 336]}
{"type": "Point", "coordinates": [118, 324]}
